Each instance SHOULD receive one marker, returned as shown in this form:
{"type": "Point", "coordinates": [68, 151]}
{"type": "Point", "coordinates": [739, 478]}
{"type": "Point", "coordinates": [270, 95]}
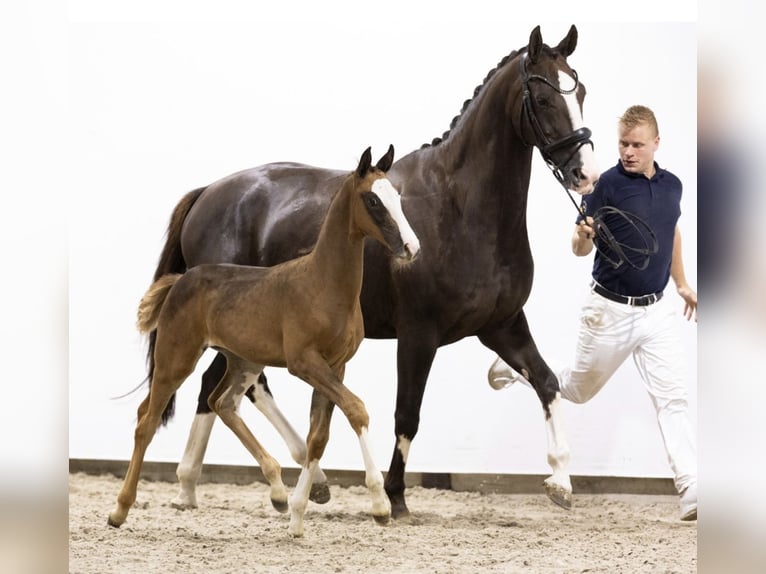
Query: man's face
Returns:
{"type": "Point", "coordinates": [636, 147]}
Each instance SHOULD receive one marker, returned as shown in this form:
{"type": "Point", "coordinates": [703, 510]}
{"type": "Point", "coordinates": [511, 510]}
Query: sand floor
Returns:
{"type": "Point", "coordinates": [235, 529]}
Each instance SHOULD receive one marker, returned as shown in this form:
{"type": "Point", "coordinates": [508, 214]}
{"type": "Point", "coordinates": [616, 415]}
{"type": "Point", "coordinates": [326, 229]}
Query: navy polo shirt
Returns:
{"type": "Point", "coordinates": [658, 202]}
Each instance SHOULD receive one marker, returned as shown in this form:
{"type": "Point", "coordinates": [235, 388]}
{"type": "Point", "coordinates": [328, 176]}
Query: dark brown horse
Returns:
{"type": "Point", "coordinates": [303, 314]}
{"type": "Point", "coordinates": [466, 197]}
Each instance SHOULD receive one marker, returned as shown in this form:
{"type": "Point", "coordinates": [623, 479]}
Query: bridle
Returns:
{"type": "Point", "coordinates": [614, 251]}
{"type": "Point", "coordinates": [576, 139]}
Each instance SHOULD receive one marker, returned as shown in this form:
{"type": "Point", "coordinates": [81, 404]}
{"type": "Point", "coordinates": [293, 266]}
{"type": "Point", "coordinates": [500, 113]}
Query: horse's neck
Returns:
{"type": "Point", "coordinates": [338, 253]}
{"type": "Point", "coordinates": [484, 159]}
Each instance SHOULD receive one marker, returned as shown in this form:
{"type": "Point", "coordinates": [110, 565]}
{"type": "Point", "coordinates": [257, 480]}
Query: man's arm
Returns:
{"type": "Point", "coordinates": [582, 238]}
{"type": "Point", "coordinates": [679, 278]}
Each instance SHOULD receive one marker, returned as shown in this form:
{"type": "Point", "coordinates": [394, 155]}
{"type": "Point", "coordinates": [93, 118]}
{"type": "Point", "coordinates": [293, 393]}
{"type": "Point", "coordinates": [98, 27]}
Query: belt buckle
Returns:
{"type": "Point", "coordinates": [630, 300]}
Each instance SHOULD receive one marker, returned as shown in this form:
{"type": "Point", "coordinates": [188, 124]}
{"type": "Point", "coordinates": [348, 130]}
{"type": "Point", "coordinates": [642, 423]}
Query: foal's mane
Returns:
{"type": "Point", "coordinates": [436, 141]}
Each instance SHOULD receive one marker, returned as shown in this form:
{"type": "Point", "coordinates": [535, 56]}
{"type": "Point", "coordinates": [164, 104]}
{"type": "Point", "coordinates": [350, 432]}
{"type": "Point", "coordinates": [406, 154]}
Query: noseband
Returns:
{"type": "Point", "coordinates": [614, 251]}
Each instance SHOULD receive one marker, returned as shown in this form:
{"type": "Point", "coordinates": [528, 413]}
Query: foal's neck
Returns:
{"type": "Point", "coordinates": [339, 250]}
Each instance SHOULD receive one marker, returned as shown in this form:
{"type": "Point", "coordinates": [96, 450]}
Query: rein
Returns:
{"type": "Point", "coordinates": [614, 251]}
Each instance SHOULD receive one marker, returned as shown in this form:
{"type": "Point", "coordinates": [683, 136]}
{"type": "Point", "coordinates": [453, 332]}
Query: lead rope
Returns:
{"type": "Point", "coordinates": [616, 252]}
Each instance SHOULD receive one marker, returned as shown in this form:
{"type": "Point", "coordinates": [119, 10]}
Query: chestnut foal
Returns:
{"type": "Point", "coordinates": [303, 314]}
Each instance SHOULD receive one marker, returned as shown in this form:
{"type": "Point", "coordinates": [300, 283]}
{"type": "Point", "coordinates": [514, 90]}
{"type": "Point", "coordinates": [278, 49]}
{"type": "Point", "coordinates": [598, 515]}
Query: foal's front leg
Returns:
{"type": "Point", "coordinates": [329, 391]}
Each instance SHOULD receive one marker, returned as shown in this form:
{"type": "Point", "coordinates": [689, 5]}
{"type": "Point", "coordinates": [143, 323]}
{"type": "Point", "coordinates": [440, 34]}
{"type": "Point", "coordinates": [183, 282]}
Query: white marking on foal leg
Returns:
{"type": "Point", "coordinates": [393, 202]}
{"type": "Point", "coordinates": [558, 486]}
{"type": "Point", "coordinates": [299, 499]}
{"type": "Point", "coordinates": [264, 402]}
{"type": "Point", "coordinates": [381, 506]}
{"type": "Point", "coordinates": [190, 467]}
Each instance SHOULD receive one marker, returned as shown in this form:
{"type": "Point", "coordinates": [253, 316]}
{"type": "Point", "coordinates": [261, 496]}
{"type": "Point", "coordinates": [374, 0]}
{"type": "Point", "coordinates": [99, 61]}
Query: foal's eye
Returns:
{"type": "Point", "coordinates": [372, 200]}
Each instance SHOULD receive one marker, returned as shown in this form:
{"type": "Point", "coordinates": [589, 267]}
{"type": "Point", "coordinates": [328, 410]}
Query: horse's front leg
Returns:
{"type": "Point", "coordinates": [513, 342]}
{"type": "Point", "coordinates": [415, 355]}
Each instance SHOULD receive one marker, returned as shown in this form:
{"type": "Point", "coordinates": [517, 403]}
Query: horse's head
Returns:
{"type": "Point", "coordinates": [551, 112]}
{"type": "Point", "coordinates": [378, 208]}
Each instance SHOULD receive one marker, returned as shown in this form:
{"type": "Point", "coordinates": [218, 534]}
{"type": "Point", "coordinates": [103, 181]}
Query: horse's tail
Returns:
{"type": "Point", "coordinates": [151, 303]}
{"type": "Point", "coordinates": [171, 261]}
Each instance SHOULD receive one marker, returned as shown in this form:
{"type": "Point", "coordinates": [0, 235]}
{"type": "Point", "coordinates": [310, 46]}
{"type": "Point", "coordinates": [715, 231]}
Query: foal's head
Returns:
{"type": "Point", "coordinates": [377, 207]}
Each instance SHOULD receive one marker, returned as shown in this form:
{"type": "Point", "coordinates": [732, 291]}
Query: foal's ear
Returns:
{"type": "Point", "coordinates": [364, 163]}
{"type": "Point", "coordinates": [535, 44]}
{"type": "Point", "coordinates": [384, 163]}
{"type": "Point", "coordinates": [568, 44]}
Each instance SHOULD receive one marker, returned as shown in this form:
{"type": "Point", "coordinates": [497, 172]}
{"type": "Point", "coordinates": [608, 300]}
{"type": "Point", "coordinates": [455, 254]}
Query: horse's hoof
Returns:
{"type": "Point", "coordinates": [400, 512]}
{"type": "Point", "coordinates": [280, 505]}
{"type": "Point", "coordinates": [182, 505]}
{"type": "Point", "coordinates": [320, 493]}
{"type": "Point", "coordinates": [559, 495]}
{"type": "Point", "coordinates": [382, 519]}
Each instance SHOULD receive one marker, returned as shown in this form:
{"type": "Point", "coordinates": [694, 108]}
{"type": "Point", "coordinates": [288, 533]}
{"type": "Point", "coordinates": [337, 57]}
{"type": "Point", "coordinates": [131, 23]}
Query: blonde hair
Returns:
{"type": "Point", "coordinates": [636, 115]}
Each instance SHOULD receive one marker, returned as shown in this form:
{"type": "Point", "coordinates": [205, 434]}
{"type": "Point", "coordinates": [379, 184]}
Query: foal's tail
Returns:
{"type": "Point", "coordinates": [151, 303]}
{"type": "Point", "coordinates": [171, 261]}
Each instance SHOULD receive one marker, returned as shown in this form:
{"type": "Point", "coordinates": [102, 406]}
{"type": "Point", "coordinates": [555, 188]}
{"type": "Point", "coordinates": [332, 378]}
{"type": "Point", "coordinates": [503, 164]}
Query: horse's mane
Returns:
{"type": "Point", "coordinates": [436, 141]}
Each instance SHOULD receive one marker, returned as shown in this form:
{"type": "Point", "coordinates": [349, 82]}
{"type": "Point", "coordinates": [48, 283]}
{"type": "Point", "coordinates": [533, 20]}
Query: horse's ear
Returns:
{"type": "Point", "coordinates": [568, 44]}
{"type": "Point", "coordinates": [384, 163]}
{"type": "Point", "coordinates": [535, 43]}
{"type": "Point", "coordinates": [364, 163]}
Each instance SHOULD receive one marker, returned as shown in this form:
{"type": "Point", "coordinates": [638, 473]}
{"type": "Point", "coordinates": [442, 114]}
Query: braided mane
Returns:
{"type": "Point", "coordinates": [436, 141]}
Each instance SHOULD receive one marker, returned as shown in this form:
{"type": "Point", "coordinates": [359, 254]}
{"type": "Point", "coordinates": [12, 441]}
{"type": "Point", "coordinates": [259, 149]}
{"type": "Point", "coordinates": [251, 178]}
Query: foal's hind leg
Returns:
{"type": "Point", "coordinates": [514, 344]}
{"type": "Point", "coordinates": [165, 381]}
{"type": "Point", "coordinates": [225, 400]}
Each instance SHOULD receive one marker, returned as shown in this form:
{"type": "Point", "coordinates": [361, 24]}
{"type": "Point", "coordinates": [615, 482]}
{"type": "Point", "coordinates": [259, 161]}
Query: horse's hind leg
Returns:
{"type": "Point", "coordinates": [225, 401]}
{"type": "Point", "coordinates": [190, 467]}
{"type": "Point", "coordinates": [263, 399]}
{"type": "Point", "coordinates": [514, 344]}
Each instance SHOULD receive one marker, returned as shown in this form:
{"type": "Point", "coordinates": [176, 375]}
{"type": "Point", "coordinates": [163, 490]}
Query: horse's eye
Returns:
{"type": "Point", "coordinates": [372, 200]}
{"type": "Point", "coordinates": [542, 101]}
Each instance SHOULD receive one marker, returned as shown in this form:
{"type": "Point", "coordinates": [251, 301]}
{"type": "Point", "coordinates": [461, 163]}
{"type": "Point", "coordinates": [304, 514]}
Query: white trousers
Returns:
{"type": "Point", "coordinates": [609, 333]}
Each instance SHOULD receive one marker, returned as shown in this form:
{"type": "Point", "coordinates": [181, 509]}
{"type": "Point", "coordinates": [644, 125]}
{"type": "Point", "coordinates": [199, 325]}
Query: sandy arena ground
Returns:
{"type": "Point", "coordinates": [235, 529]}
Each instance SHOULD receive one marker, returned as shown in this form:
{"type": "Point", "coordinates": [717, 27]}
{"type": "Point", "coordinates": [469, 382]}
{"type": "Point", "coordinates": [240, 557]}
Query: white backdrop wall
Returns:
{"type": "Point", "coordinates": [158, 109]}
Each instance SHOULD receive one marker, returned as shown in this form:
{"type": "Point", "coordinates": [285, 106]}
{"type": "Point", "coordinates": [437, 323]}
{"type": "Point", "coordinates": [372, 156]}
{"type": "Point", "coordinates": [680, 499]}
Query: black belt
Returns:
{"type": "Point", "coordinates": [641, 301]}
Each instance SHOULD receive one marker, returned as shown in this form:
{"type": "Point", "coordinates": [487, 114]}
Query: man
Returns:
{"type": "Point", "coordinates": [625, 313]}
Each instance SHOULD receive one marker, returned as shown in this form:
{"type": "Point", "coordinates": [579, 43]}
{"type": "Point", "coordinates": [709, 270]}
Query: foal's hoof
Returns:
{"type": "Point", "coordinates": [113, 523]}
{"type": "Point", "coordinates": [559, 495]}
{"type": "Point", "coordinates": [382, 519]}
{"type": "Point", "coordinates": [320, 493]}
{"type": "Point", "coordinates": [280, 505]}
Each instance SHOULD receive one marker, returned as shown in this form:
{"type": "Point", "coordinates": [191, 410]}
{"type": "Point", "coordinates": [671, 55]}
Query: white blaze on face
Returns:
{"type": "Point", "coordinates": [587, 157]}
{"type": "Point", "coordinates": [391, 199]}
